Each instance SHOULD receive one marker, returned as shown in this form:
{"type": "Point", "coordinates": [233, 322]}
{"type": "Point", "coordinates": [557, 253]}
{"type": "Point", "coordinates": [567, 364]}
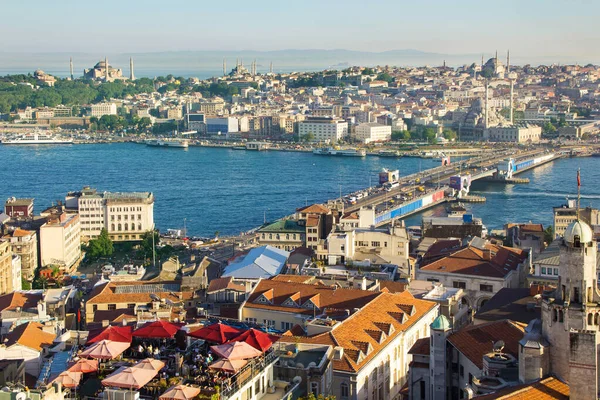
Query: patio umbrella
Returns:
{"type": "Point", "coordinates": [225, 364]}
{"type": "Point", "coordinates": [236, 351]}
{"type": "Point", "coordinates": [157, 329]}
{"type": "Point", "coordinates": [114, 333]}
{"type": "Point", "coordinates": [215, 333]}
{"type": "Point", "coordinates": [129, 378]}
{"type": "Point", "coordinates": [150, 363]}
{"type": "Point", "coordinates": [180, 392]}
{"type": "Point", "coordinates": [105, 350]}
{"type": "Point", "coordinates": [84, 365]}
{"type": "Point", "coordinates": [257, 339]}
{"type": "Point", "coordinates": [68, 379]}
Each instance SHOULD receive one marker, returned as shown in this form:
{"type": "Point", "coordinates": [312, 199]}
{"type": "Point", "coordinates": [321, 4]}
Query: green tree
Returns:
{"type": "Point", "coordinates": [368, 71]}
{"type": "Point", "coordinates": [25, 284]}
{"type": "Point", "coordinates": [312, 396]}
{"type": "Point", "coordinates": [548, 128]}
{"type": "Point", "coordinates": [450, 134]}
{"type": "Point", "coordinates": [384, 76]}
{"type": "Point", "coordinates": [309, 137]}
{"type": "Point", "coordinates": [101, 246]}
{"type": "Point", "coordinates": [400, 135]}
{"type": "Point", "coordinates": [428, 134]}
{"type": "Point", "coordinates": [549, 234]}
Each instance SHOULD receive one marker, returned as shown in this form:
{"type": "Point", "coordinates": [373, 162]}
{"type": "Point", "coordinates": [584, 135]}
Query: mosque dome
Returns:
{"type": "Point", "coordinates": [100, 64]}
{"type": "Point", "coordinates": [38, 72]}
{"type": "Point", "coordinates": [580, 229]}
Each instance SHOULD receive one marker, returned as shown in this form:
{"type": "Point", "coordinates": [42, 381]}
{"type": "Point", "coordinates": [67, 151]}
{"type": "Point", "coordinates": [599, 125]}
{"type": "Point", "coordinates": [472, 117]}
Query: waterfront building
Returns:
{"type": "Point", "coordinates": [567, 213]}
{"type": "Point", "coordinates": [60, 240]}
{"type": "Point", "coordinates": [285, 234]}
{"type": "Point", "coordinates": [100, 109]}
{"type": "Point", "coordinates": [61, 111]}
{"type": "Point", "coordinates": [126, 216]}
{"type": "Point", "coordinates": [324, 129]}
{"type": "Point", "coordinates": [6, 268]}
{"type": "Point", "coordinates": [196, 122]}
{"type": "Point", "coordinates": [221, 126]}
{"type": "Point", "coordinates": [18, 208]}
{"type": "Point", "coordinates": [259, 263]}
{"type": "Point", "coordinates": [372, 132]}
{"type": "Point", "coordinates": [514, 134]}
{"type": "Point", "coordinates": [481, 269]}
{"type": "Point", "coordinates": [25, 244]}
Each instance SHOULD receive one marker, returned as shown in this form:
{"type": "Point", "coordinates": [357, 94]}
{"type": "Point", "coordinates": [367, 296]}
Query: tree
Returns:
{"type": "Point", "coordinates": [549, 234]}
{"type": "Point", "coordinates": [309, 137]}
{"type": "Point", "coordinates": [400, 135]}
{"type": "Point", "coordinates": [548, 128]}
{"type": "Point", "coordinates": [312, 396]}
{"type": "Point", "coordinates": [367, 71]}
{"type": "Point", "coordinates": [428, 134]}
{"type": "Point", "coordinates": [450, 134]}
{"type": "Point", "coordinates": [100, 247]}
{"type": "Point", "coordinates": [385, 77]}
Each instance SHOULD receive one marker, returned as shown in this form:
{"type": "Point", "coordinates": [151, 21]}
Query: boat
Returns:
{"type": "Point", "coordinates": [330, 151]}
{"type": "Point", "coordinates": [177, 143]}
{"type": "Point", "coordinates": [239, 147]}
{"type": "Point", "coordinates": [257, 146]}
{"type": "Point", "coordinates": [36, 138]}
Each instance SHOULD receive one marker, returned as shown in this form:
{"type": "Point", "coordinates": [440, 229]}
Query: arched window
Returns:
{"type": "Point", "coordinates": [132, 226]}
{"type": "Point", "coordinates": [126, 226]}
{"type": "Point", "coordinates": [344, 390]}
{"type": "Point", "coordinates": [120, 227]}
{"type": "Point", "coordinates": [139, 227]}
{"type": "Point", "coordinates": [560, 316]}
{"type": "Point", "coordinates": [597, 319]}
{"type": "Point", "coordinates": [590, 319]}
{"type": "Point", "coordinates": [112, 227]}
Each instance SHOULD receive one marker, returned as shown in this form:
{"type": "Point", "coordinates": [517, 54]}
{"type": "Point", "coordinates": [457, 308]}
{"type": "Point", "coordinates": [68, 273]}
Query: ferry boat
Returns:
{"type": "Point", "coordinates": [389, 153]}
{"type": "Point", "coordinates": [177, 143]}
{"type": "Point", "coordinates": [330, 151]}
{"type": "Point", "coordinates": [36, 138]}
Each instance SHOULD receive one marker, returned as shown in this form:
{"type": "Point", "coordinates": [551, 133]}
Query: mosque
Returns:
{"type": "Point", "coordinates": [103, 71]}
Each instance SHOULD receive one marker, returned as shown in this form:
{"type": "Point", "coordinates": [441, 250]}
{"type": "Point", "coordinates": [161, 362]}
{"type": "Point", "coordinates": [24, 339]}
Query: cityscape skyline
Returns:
{"type": "Point", "coordinates": [526, 29]}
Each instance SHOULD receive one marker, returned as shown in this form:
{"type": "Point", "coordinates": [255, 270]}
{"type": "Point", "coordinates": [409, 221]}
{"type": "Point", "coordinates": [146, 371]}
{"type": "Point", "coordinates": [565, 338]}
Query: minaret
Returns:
{"type": "Point", "coordinates": [106, 69]}
{"type": "Point", "coordinates": [71, 68]}
{"type": "Point", "coordinates": [444, 64]}
{"type": "Point", "coordinates": [496, 55]}
{"type": "Point", "coordinates": [512, 88]}
{"type": "Point", "coordinates": [271, 67]}
{"type": "Point", "coordinates": [131, 75]}
{"type": "Point", "coordinates": [482, 60]}
{"type": "Point", "coordinates": [507, 62]}
{"type": "Point", "coordinates": [487, 87]}
{"type": "Point", "coordinates": [440, 329]}
{"type": "Point", "coordinates": [224, 67]}
{"type": "Point", "coordinates": [254, 68]}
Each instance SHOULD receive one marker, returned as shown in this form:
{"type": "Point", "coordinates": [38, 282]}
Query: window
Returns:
{"type": "Point", "coordinates": [470, 378]}
{"type": "Point", "coordinates": [344, 390]}
{"type": "Point", "coordinates": [486, 288]}
{"type": "Point", "coordinates": [131, 306]}
{"type": "Point", "coordinates": [375, 244]}
{"type": "Point", "coordinates": [251, 320]}
{"type": "Point", "coordinates": [462, 371]}
{"type": "Point", "coordinates": [269, 322]}
{"type": "Point", "coordinates": [459, 285]}
{"type": "Point", "coordinates": [314, 388]}
{"type": "Point", "coordinates": [556, 271]}
{"type": "Point", "coordinates": [544, 270]}
{"type": "Point", "coordinates": [95, 307]}
{"type": "Point", "coordinates": [112, 307]}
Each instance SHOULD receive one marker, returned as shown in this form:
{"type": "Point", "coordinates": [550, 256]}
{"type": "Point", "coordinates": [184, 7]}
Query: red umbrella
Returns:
{"type": "Point", "coordinates": [157, 329]}
{"type": "Point", "coordinates": [257, 339]}
{"type": "Point", "coordinates": [68, 379]}
{"type": "Point", "coordinates": [215, 333]}
{"type": "Point", "coordinates": [105, 350]}
{"type": "Point", "coordinates": [114, 333]}
{"type": "Point", "coordinates": [236, 351]}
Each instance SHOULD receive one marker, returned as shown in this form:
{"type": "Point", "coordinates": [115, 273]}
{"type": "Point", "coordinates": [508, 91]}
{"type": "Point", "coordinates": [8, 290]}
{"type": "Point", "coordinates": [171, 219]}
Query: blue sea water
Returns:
{"type": "Point", "coordinates": [231, 191]}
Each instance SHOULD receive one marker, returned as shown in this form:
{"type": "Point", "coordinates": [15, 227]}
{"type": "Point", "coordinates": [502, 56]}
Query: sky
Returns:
{"type": "Point", "coordinates": [537, 28]}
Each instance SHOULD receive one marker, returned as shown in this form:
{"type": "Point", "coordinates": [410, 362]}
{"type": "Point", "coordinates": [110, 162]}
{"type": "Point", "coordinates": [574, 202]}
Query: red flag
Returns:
{"type": "Point", "coordinates": [79, 315]}
{"type": "Point", "coordinates": [578, 179]}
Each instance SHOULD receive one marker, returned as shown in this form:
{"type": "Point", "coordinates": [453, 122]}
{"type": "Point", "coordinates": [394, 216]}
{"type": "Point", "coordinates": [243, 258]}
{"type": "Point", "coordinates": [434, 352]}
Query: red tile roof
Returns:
{"type": "Point", "coordinates": [393, 287]}
{"type": "Point", "coordinates": [314, 209]}
{"type": "Point", "coordinates": [29, 335]}
{"type": "Point", "coordinates": [477, 340]}
{"type": "Point", "coordinates": [24, 300]}
{"type": "Point", "coordinates": [544, 389]}
{"type": "Point", "coordinates": [278, 292]}
{"type": "Point", "coordinates": [421, 347]}
{"type": "Point", "coordinates": [224, 283]}
{"type": "Point", "coordinates": [355, 334]}
{"type": "Point", "coordinates": [294, 278]}
{"type": "Point", "coordinates": [473, 261]}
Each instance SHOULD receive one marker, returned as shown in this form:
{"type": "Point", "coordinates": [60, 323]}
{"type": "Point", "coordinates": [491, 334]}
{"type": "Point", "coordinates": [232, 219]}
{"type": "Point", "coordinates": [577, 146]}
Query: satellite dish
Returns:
{"type": "Point", "coordinates": [499, 346]}
{"type": "Point", "coordinates": [154, 297]}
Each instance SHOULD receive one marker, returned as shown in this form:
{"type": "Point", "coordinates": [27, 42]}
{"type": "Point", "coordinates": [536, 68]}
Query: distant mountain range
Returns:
{"type": "Point", "coordinates": [204, 64]}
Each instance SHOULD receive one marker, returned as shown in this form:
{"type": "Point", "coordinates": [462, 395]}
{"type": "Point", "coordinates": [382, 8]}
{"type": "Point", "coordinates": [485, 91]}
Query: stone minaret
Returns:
{"type": "Point", "coordinates": [271, 67]}
{"type": "Point", "coordinates": [440, 329]}
{"type": "Point", "coordinates": [254, 68]}
{"type": "Point", "coordinates": [71, 68]}
{"type": "Point", "coordinates": [507, 62]}
{"type": "Point", "coordinates": [106, 69]}
{"type": "Point", "coordinates": [224, 67]}
{"type": "Point", "coordinates": [131, 75]}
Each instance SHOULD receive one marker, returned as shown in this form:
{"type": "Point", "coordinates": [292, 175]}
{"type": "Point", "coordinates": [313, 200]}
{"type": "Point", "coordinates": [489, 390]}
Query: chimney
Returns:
{"type": "Point", "coordinates": [487, 254]}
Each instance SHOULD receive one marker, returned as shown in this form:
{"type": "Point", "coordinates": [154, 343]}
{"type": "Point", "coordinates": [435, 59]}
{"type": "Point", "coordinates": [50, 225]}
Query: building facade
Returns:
{"type": "Point", "coordinates": [324, 129]}
{"type": "Point", "coordinates": [6, 264]}
{"type": "Point", "coordinates": [100, 109]}
{"type": "Point", "coordinates": [25, 244]}
{"type": "Point", "coordinates": [372, 132]}
{"type": "Point", "coordinates": [60, 239]}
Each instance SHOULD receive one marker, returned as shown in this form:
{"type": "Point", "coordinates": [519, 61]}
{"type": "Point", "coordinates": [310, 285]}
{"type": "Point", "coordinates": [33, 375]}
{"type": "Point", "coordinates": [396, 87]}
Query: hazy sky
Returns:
{"type": "Point", "coordinates": [533, 27]}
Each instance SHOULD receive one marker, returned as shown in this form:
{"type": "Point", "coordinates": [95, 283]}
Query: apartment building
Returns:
{"type": "Point", "coordinates": [6, 264]}
{"type": "Point", "coordinates": [60, 240]}
{"type": "Point", "coordinates": [101, 109]}
{"type": "Point", "coordinates": [25, 244]}
{"type": "Point", "coordinates": [372, 132]}
{"type": "Point", "coordinates": [324, 129]}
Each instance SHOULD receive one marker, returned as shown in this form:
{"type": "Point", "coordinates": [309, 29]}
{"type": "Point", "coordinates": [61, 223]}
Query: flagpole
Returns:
{"type": "Point", "coordinates": [578, 190]}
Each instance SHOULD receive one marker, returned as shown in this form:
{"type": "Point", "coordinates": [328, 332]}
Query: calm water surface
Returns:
{"type": "Point", "coordinates": [231, 191]}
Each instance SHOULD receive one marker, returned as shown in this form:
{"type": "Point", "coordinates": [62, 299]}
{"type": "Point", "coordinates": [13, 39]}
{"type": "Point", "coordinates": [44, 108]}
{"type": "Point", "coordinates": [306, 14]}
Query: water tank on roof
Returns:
{"type": "Point", "coordinates": [468, 218]}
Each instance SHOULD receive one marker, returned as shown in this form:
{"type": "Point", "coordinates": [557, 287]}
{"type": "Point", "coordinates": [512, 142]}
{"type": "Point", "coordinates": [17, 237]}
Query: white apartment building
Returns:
{"type": "Point", "coordinates": [16, 272]}
{"type": "Point", "coordinates": [126, 216]}
{"type": "Point", "coordinates": [100, 109]}
{"type": "Point", "coordinates": [60, 240]}
{"type": "Point", "coordinates": [325, 129]}
{"type": "Point", "coordinates": [372, 132]}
